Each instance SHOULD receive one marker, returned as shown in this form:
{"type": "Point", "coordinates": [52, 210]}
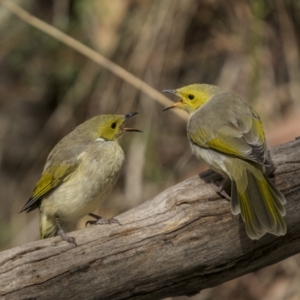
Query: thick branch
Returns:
{"type": "Point", "coordinates": [180, 242]}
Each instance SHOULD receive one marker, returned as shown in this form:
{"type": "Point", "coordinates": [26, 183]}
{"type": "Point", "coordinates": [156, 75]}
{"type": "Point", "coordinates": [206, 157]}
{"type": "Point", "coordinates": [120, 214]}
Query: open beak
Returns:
{"type": "Point", "coordinates": [131, 129]}
{"type": "Point", "coordinates": [128, 116]}
{"type": "Point", "coordinates": [174, 92]}
{"type": "Point", "coordinates": [170, 91]}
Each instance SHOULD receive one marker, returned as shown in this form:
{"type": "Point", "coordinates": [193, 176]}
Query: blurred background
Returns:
{"type": "Point", "coordinates": [47, 89]}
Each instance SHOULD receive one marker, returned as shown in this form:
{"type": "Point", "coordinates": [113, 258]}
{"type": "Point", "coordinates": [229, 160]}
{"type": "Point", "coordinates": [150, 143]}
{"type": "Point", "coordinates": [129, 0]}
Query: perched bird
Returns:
{"type": "Point", "coordinates": [79, 173]}
{"type": "Point", "coordinates": [227, 134]}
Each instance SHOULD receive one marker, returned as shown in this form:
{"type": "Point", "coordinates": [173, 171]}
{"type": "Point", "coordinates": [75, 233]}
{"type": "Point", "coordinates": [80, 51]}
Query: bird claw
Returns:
{"type": "Point", "coordinates": [67, 238]}
{"type": "Point", "coordinates": [102, 221]}
{"type": "Point", "coordinates": [220, 189]}
{"type": "Point", "coordinates": [64, 236]}
{"type": "Point", "coordinates": [71, 240]}
{"type": "Point", "coordinates": [90, 222]}
{"type": "Point", "coordinates": [107, 221]}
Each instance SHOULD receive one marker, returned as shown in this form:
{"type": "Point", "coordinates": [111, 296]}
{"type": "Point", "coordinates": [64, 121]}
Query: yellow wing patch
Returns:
{"type": "Point", "coordinates": [223, 146]}
{"type": "Point", "coordinates": [49, 180]}
{"type": "Point", "coordinates": [247, 143]}
{"type": "Point", "coordinates": [223, 143]}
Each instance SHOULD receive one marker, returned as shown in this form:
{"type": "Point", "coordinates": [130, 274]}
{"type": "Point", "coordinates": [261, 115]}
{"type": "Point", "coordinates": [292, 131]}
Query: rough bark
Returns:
{"type": "Point", "coordinates": [182, 241]}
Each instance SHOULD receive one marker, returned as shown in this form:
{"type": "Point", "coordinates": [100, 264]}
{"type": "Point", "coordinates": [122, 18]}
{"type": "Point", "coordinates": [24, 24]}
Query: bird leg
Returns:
{"type": "Point", "coordinates": [221, 188]}
{"type": "Point", "coordinates": [93, 222]}
{"type": "Point", "coordinates": [63, 235]}
{"type": "Point", "coordinates": [269, 169]}
{"type": "Point", "coordinates": [100, 220]}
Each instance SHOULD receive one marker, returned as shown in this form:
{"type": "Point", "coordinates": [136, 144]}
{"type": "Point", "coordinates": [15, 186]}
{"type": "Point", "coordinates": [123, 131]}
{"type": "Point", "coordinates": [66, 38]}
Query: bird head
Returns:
{"type": "Point", "coordinates": [193, 96]}
{"type": "Point", "coordinates": [106, 127]}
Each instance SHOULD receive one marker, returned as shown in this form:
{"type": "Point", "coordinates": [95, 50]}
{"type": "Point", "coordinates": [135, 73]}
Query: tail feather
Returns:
{"type": "Point", "coordinates": [254, 228]}
{"type": "Point", "coordinates": [277, 196]}
{"type": "Point", "coordinates": [274, 200]}
{"type": "Point", "coordinates": [281, 227]}
{"type": "Point", "coordinates": [260, 204]}
{"type": "Point", "coordinates": [48, 226]}
{"type": "Point", "coordinates": [234, 203]}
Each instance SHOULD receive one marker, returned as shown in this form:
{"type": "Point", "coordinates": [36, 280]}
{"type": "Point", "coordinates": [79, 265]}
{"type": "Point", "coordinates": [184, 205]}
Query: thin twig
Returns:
{"type": "Point", "coordinates": [89, 53]}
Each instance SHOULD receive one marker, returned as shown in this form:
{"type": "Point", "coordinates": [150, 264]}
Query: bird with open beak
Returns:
{"type": "Point", "coordinates": [79, 173]}
{"type": "Point", "coordinates": [227, 134]}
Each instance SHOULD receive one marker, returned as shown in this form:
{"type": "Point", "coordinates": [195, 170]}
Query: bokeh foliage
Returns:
{"type": "Point", "coordinates": [46, 88]}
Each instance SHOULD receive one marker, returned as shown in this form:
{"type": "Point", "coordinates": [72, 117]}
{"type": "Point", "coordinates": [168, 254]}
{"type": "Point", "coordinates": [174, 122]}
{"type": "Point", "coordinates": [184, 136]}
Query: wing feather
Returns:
{"type": "Point", "coordinates": [228, 125]}
{"type": "Point", "coordinates": [49, 180]}
{"type": "Point", "coordinates": [62, 161]}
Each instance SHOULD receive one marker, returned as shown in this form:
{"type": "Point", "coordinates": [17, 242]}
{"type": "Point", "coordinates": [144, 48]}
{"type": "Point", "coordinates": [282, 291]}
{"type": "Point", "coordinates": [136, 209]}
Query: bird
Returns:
{"type": "Point", "coordinates": [79, 173]}
{"type": "Point", "coordinates": [227, 134]}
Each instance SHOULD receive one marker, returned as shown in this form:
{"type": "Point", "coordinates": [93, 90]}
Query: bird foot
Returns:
{"type": "Point", "coordinates": [102, 221]}
{"type": "Point", "coordinates": [67, 238]}
{"type": "Point", "coordinates": [63, 235]}
{"type": "Point", "coordinates": [220, 189]}
{"type": "Point", "coordinates": [107, 221]}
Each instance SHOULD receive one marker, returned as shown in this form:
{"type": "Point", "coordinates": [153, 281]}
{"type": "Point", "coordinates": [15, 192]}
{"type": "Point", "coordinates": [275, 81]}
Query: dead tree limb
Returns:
{"type": "Point", "coordinates": [182, 241]}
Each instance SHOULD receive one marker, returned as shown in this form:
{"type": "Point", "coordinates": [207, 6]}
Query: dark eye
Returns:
{"type": "Point", "coordinates": [113, 125]}
{"type": "Point", "coordinates": [191, 97]}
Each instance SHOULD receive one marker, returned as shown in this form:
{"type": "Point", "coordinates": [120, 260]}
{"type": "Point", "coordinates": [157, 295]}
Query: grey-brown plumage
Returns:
{"type": "Point", "coordinates": [79, 173]}
{"type": "Point", "coordinates": [227, 134]}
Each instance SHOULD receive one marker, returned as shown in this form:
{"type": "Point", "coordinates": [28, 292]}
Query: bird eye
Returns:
{"type": "Point", "coordinates": [113, 125]}
{"type": "Point", "coordinates": [191, 97]}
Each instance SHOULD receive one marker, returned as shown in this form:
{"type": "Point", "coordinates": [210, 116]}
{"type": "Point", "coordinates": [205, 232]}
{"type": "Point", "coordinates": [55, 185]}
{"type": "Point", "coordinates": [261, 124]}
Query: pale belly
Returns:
{"type": "Point", "coordinates": [213, 159]}
{"type": "Point", "coordinates": [83, 192]}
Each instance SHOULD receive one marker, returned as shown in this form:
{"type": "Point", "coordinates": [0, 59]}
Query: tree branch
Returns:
{"type": "Point", "coordinates": [182, 241]}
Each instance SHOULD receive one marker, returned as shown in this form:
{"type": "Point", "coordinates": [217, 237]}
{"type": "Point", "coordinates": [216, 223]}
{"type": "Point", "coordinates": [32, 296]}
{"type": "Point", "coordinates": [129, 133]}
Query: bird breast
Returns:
{"type": "Point", "coordinates": [86, 188]}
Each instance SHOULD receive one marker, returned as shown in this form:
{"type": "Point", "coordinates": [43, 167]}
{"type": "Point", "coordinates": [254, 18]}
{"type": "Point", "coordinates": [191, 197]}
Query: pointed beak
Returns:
{"type": "Point", "coordinates": [177, 104]}
{"type": "Point", "coordinates": [170, 91]}
{"type": "Point", "coordinates": [131, 130]}
{"type": "Point", "coordinates": [128, 116]}
{"type": "Point", "coordinates": [127, 129]}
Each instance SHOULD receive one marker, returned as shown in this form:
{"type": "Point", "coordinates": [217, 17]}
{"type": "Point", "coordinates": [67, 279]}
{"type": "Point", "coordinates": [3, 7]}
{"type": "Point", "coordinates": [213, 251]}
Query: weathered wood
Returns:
{"type": "Point", "coordinates": [180, 242]}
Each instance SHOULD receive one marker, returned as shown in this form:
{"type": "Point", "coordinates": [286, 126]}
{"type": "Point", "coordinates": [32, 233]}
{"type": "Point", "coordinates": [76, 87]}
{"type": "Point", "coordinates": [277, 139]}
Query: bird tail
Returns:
{"type": "Point", "coordinates": [48, 226]}
{"type": "Point", "coordinates": [259, 202]}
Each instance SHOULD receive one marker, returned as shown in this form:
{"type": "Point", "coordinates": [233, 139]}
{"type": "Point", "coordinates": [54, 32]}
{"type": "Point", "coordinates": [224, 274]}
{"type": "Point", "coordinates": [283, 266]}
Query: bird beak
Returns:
{"type": "Point", "coordinates": [128, 116]}
{"type": "Point", "coordinates": [177, 104]}
{"type": "Point", "coordinates": [170, 91]}
{"type": "Point", "coordinates": [131, 130]}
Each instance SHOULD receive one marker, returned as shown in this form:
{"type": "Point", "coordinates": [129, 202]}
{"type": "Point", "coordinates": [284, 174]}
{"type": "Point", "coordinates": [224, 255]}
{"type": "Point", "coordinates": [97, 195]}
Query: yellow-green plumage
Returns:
{"type": "Point", "coordinates": [227, 134]}
{"type": "Point", "coordinates": [79, 173]}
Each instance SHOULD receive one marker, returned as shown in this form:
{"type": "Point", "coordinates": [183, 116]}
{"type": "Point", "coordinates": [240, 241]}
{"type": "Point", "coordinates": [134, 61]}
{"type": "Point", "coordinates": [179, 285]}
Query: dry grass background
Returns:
{"type": "Point", "coordinates": [46, 89]}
